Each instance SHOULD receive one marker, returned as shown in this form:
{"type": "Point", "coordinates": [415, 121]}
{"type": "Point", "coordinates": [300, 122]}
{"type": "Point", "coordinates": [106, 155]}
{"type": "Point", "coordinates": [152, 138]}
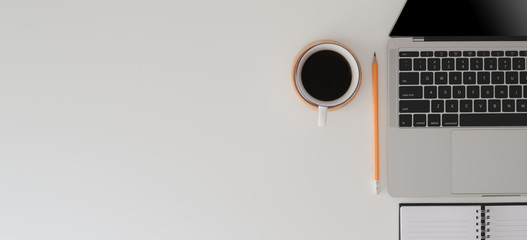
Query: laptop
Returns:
{"type": "Point", "coordinates": [457, 108]}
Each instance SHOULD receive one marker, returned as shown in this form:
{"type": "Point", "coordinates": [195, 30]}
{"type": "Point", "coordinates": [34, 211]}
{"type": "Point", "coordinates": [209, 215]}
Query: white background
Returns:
{"type": "Point", "coordinates": [177, 120]}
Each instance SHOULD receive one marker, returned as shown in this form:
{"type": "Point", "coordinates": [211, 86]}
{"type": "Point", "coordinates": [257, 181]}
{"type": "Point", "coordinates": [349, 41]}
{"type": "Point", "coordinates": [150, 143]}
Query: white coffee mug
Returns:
{"type": "Point", "coordinates": [322, 92]}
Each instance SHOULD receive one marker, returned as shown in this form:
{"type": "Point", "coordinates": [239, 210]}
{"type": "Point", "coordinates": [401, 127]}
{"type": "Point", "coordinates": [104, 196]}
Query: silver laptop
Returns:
{"type": "Point", "coordinates": [457, 90]}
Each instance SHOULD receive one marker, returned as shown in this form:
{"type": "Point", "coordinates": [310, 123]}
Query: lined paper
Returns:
{"type": "Point", "coordinates": [507, 222]}
{"type": "Point", "coordinates": [440, 222]}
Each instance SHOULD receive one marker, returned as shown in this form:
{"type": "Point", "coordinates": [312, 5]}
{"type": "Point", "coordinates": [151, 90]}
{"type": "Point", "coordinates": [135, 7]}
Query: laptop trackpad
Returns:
{"type": "Point", "coordinates": [489, 161]}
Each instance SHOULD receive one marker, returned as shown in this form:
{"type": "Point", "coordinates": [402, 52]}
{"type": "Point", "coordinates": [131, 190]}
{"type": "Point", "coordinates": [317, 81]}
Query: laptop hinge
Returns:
{"type": "Point", "coordinates": [418, 39]}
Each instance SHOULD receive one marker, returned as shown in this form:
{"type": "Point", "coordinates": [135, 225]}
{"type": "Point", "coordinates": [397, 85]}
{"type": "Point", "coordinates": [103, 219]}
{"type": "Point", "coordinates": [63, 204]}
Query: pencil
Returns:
{"type": "Point", "coordinates": [375, 91]}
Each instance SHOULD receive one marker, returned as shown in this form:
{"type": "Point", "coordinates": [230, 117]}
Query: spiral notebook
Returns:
{"type": "Point", "coordinates": [496, 221]}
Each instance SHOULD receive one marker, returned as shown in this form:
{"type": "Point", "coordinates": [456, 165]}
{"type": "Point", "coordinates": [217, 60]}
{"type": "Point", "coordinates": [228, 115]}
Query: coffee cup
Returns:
{"type": "Point", "coordinates": [326, 76]}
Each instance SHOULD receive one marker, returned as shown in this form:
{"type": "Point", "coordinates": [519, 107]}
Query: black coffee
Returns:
{"type": "Point", "coordinates": [326, 75]}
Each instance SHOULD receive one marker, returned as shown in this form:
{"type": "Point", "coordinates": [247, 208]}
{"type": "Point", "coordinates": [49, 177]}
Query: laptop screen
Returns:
{"type": "Point", "coordinates": [463, 20]}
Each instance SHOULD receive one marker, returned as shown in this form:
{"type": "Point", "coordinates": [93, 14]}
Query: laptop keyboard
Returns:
{"type": "Point", "coordinates": [462, 88]}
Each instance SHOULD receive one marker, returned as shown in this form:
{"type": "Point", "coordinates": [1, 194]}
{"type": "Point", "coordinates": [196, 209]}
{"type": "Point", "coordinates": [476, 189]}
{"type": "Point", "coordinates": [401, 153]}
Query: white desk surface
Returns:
{"type": "Point", "coordinates": [177, 120]}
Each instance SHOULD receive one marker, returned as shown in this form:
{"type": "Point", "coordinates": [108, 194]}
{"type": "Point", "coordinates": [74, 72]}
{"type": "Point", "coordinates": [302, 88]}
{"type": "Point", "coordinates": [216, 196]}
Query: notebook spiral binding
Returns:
{"type": "Point", "coordinates": [480, 222]}
{"type": "Point", "coordinates": [487, 218]}
{"type": "Point", "coordinates": [484, 222]}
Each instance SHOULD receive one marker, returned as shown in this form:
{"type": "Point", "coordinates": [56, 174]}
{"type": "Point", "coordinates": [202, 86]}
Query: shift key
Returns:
{"type": "Point", "coordinates": [414, 106]}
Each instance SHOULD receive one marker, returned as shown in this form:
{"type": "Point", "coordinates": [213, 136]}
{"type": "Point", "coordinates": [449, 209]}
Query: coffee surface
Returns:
{"type": "Point", "coordinates": [326, 75]}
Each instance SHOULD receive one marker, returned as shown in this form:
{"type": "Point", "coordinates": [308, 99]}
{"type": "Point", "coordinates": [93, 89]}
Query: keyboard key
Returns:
{"type": "Point", "coordinates": [469, 53]}
{"type": "Point", "coordinates": [440, 53]}
{"type": "Point", "coordinates": [454, 78]}
{"type": "Point", "coordinates": [487, 92]}
{"type": "Point", "coordinates": [410, 92]}
{"type": "Point", "coordinates": [523, 53]}
{"type": "Point", "coordinates": [447, 64]}
{"type": "Point", "coordinates": [511, 77]}
{"type": "Point", "coordinates": [508, 119]}
{"type": "Point", "coordinates": [511, 53]}
{"type": "Point", "coordinates": [483, 77]}
{"type": "Point", "coordinates": [419, 64]}
{"type": "Point", "coordinates": [483, 53]}
{"type": "Point", "coordinates": [414, 106]}
{"type": "Point", "coordinates": [480, 106]}
{"type": "Point", "coordinates": [445, 92]}
{"type": "Point", "coordinates": [438, 106]}
{"type": "Point", "coordinates": [405, 64]}
{"type": "Point", "coordinates": [515, 91]}
{"type": "Point", "coordinates": [472, 92]}
{"type": "Point", "coordinates": [501, 91]}
{"type": "Point", "coordinates": [434, 64]}
{"type": "Point", "coordinates": [454, 53]}
{"type": "Point", "coordinates": [409, 54]}
{"type": "Point", "coordinates": [494, 105]}
{"type": "Point", "coordinates": [491, 63]}
{"type": "Point", "coordinates": [508, 105]}
{"type": "Point", "coordinates": [450, 120]}
{"type": "Point", "coordinates": [419, 120]}
{"type": "Point", "coordinates": [430, 92]}
{"type": "Point", "coordinates": [458, 92]}
{"type": "Point", "coordinates": [498, 78]}
{"type": "Point", "coordinates": [409, 78]}
{"type": "Point", "coordinates": [434, 120]}
{"type": "Point", "coordinates": [465, 106]}
{"type": "Point", "coordinates": [427, 54]}
{"type": "Point", "coordinates": [469, 78]}
{"type": "Point", "coordinates": [462, 64]}
{"type": "Point", "coordinates": [518, 63]}
{"type": "Point", "coordinates": [504, 63]}
{"type": "Point", "coordinates": [440, 78]}
{"type": "Point", "coordinates": [497, 53]}
{"type": "Point", "coordinates": [451, 106]}
{"type": "Point", "coordinates": [427, 78]}
{"type": "Point", "coordinates": [525, 91]}
{"type": "Point", "coordinates": [521, 105]}
{"type": "Point", "coordinates": [476, 64]}
{"type": "Point", "coordinates": [405, 120]}
{"type": "Point", "coordinates": [523, 77]}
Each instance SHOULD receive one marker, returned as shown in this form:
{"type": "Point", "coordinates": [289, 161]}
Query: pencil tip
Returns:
{"type": "Point", "coordinates": [374, 54]}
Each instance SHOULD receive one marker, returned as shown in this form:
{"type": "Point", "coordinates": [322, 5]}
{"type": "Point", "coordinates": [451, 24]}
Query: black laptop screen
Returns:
{"type": "Point", "coordinates": [458, 19]}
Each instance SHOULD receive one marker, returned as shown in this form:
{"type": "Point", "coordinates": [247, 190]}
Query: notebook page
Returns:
{"type": "Point", "coordinates": [440, 222]}
{"type": "Point", "coordinates": [506, 222]}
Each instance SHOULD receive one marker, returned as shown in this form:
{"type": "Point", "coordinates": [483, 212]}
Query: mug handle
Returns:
{"type": "Point", "coordinates": [322, 116]}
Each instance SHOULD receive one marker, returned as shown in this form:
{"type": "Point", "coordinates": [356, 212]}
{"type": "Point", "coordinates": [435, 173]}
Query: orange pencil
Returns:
{"type": "Point", "coordinates": [375, 91]}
